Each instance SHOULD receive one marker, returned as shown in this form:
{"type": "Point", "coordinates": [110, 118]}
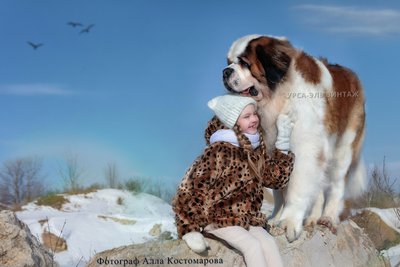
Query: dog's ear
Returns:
{"type": "Point", "coordinates": [275, 62]}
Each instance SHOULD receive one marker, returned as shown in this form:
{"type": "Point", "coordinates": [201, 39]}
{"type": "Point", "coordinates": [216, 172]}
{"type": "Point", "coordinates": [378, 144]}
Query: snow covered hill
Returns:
{"type": "Point", "coordinates": [110, 218]}
{"type": "Point", "coordinates": [98, 221]}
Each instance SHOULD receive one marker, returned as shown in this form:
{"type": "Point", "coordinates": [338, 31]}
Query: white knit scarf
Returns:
{"type": "Point", "coordinates": [229, 135]}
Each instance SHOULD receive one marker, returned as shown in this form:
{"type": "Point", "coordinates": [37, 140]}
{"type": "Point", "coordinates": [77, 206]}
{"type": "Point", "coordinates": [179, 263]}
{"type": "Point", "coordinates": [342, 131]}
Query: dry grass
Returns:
{"type": "Point", "coordinates": [52, 200]}
{"type": "Point", "coordinates": [380, 192]}
{"type": "Point", "coordinates": [16, 207]}
{"type": "Point", "coordinates": [53, 242]}
{"type": "Point", "coordinates": [118, 220]}
{"type": "Point", "coordinates": [83, 191]}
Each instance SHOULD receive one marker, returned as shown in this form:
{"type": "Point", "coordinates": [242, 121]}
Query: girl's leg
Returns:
{"type": "Point", "coordinates": [270, 249]}
{"type": "Point", "coordinates": [242, 240]}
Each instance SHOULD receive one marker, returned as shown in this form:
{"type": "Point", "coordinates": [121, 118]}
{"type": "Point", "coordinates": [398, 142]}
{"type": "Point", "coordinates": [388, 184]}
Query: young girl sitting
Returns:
{"type": "Point", "coordinates": [222, 192]}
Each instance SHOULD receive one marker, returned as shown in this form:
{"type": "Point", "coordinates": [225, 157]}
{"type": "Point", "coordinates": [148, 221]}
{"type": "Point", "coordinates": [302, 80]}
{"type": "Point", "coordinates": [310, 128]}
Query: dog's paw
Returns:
{"type": "Point", "coordinates": [311, 222]}
{"type": "Point", "coordinates": [329, 223]}
{"type": "Point", "coordinates": [293, 230]}
{"type": "Point", "coordinates": [273, 221]}
{"type": "Point", "coordinates": [275, 230]}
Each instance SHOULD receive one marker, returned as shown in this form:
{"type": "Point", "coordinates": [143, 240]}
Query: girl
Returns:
{"type": "Point", "coordinates": [222, 192]}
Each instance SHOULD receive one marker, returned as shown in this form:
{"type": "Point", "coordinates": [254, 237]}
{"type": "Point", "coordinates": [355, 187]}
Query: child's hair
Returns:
{"type": "Point", "coordinates": [244, 142]}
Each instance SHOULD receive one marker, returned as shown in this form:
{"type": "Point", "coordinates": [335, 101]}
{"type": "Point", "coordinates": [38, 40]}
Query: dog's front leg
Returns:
{"type": "Point", "coordinates": [303, 189]}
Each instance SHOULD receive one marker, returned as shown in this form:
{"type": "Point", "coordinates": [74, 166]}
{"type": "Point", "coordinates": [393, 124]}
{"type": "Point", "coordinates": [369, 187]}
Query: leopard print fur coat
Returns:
{"type": "Point", "coordinates": [220, 188]}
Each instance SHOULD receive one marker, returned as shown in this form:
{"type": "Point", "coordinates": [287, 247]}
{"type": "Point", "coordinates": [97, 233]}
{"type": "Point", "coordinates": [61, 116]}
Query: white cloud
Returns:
{"type": "Point", "coordinates": [34, 89]}
{"type": "Point", "coordinates": [352, 20]}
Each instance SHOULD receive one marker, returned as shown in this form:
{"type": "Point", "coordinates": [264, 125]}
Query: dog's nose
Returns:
{"type": "Point", "coordinates": [227, 72]}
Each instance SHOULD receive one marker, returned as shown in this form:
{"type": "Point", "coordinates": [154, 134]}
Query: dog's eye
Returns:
{"type": "Point", "coordinates": [244, 63]}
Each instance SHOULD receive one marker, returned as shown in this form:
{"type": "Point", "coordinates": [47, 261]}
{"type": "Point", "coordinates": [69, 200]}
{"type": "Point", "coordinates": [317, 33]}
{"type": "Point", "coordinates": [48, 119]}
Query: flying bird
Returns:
{"type": "Point", "coordinates": [87, 29]}
{"type": "Point", "coordinates": [34, 46]}
{"type": "Point", "coordinates": [75, 24]}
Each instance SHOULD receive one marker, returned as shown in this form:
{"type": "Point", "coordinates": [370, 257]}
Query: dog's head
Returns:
{"type": "Point", "coordinates": [257, 64]}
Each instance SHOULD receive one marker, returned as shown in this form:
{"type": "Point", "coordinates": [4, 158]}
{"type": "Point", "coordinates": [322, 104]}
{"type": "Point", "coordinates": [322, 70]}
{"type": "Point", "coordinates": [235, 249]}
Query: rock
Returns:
{"type": "Point", "coordinates": [166, 235]}
{"type": "Point", "coordinates": [167, 253]}
{"type": "Point", "coordinates": [155, 230]}
{"type": "Point", "coordinates": [18, 247]}
{"type": "Point", "coordinates": [317, 247]}
{"type": "Point", "coordinates": [382, 235]}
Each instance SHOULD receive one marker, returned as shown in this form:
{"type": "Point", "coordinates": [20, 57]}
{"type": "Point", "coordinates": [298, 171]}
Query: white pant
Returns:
{"type": "Point", "coordinates": [257, 245]}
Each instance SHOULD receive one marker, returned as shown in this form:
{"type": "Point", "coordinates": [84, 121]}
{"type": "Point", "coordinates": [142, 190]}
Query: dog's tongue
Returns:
{"type": "Point", "coordinates": [245, 92]}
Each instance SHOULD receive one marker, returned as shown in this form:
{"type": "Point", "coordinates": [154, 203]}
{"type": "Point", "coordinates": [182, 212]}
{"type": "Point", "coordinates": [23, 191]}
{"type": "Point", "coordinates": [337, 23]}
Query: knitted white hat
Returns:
{"type": "Point", "coordinates": [228, 107]}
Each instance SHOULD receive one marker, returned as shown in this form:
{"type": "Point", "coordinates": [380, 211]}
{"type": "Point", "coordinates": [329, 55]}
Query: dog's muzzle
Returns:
{"type": "Point", "coordinates": [235, 80]}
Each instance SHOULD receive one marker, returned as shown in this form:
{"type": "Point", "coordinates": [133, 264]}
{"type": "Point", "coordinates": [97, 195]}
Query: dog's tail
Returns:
{"type": "Point", "coordinates": [357, 180]}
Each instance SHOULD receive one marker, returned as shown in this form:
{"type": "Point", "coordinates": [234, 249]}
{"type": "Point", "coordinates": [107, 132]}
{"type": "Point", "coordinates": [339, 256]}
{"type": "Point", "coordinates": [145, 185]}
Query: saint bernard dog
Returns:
{"type": "Point", "coordinates": [326, 104]}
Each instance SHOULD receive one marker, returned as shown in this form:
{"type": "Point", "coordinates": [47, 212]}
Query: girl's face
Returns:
{"type": "Point", "coordinates": [248, 120]}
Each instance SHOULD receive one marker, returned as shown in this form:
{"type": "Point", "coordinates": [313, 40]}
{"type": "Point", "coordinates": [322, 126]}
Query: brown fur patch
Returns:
{"type": "Point", "coordinates": [256, 67]}
{"type": "Point", "coordinates": [309, 70]}
{"type": "Point", "coordinates": [345, 104]}
{"type": "Point", "coordinates": [357, 143]}
{"type": "Point", "coordinates": [345, 108]}
{"type": "Point", "coordinates": [270, 59]}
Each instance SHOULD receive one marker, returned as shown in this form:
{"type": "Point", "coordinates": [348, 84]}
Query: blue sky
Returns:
{"type": "Point", "coordinates": [134, 89]}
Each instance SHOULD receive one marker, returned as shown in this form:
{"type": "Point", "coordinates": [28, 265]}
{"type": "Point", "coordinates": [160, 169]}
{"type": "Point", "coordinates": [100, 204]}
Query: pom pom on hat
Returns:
{"type": "Point", "coordinates": [228, 107]}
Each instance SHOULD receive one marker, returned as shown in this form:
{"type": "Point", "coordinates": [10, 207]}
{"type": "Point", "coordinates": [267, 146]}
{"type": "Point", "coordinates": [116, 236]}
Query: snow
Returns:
{"type": "Point", "coordinates": [91, 222]}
